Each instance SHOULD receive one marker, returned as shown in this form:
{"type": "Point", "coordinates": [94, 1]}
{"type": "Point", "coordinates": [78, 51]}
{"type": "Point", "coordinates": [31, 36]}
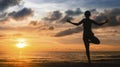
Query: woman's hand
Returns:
{"type": "Point", "coordinates": [68, 20]}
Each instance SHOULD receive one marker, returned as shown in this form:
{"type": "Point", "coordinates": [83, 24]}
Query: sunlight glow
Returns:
{"type": "Point", "coordinates": [21, 43]}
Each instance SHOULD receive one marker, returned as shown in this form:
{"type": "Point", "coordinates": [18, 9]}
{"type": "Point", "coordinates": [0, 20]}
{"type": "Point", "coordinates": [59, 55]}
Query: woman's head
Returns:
{"type": "Point", "coordinates": [87, 14]}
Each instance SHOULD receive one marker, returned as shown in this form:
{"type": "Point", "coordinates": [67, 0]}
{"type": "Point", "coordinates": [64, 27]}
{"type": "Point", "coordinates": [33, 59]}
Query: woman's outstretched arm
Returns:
{"type": "Point", "coordinates": [75, 23]}
{"type": "Point", "coordinates": [106, 21]}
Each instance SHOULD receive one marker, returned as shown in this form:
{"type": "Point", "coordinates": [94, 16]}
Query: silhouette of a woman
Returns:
{"type": "Point", "coordinates": [88, 35]}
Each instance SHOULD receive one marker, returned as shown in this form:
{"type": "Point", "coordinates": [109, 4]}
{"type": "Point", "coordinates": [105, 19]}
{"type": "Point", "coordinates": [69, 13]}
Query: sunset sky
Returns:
{"type": "Point", "coordinates": [42, 24]}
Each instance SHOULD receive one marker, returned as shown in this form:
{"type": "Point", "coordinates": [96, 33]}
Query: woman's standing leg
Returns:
{"type": "Point", "coordinates": [87, 47]}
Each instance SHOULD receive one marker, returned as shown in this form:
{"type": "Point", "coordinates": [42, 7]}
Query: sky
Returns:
{"type": "Point", "coordinates": [42, 23]}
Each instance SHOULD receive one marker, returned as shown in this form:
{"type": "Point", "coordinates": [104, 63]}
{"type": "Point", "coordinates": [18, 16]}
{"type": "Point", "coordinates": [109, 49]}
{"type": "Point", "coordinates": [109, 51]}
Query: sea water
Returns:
{"type": "Point", "coordinates": [42, 57]}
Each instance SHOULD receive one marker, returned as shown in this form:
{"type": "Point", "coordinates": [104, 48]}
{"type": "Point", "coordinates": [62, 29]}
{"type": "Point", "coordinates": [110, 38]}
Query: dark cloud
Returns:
{"type": "Point", "coordinates": [33, 23]}
{"type": "Point", "coordinates": [16, 15]}
{"type": "Point", "coordinates": [68, 32]}
{"type": "Point", "coordinates": [4, 4]}
{"type": "Point", "coordinates": [51, 28]}
{"type": "Point", "coordinates": [73, 12]}
{"type": "Point", "coordinates": [44, 28]}
{"type": "Point", "coordinates": [22, 14]}
{"type": "Point", "coordinates": [56, 15]}
{"type": "Point", "coordinates": [100, 17]}
{"type": "Point", "coordinates": [39, 26]}
{"type": "Point", "coordinates": [112, 15]}
{"type": "Point", "coordinates": [69, 14]}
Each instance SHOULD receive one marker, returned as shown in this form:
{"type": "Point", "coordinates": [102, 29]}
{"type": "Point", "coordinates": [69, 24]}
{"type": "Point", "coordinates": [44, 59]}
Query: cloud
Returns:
{"type": "Point", "coordinates": [16, 18]}
{"type": "Point", "coordinates": [44, 28]}
{"type": "Point", "coordinates": [69, 14]}
{"type": "Point", "coordinates": [33, 23]}
{"type": "Point", "coordinates": [22, 14]}
{"type": "Point", "coordinates": [4, 4]}
{"type": "Point", "coordinates": [13, 9]}
{"type": "Point", "coordinates": [112, 15]}
{"type": "Point", "coordinates": [73, 12]}
{"type": "Point", "coordinates": [39, 26]}
{"type": "Point", "coordinates": [56, 15]}
{"type": "Point", "coordinates": [68, 31]}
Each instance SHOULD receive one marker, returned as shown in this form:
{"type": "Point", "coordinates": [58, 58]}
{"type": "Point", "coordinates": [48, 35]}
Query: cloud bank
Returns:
{"type": "Point", "coordinates": [58, 16]}
{"type": "Point", "coordinates": [113, 16]}
{"type": "Point", "coordinates": [18, 14]}
{"type": "Point", "coordinates": [22, 14]}
{"type": "Point", "coordinates": [4, 4]}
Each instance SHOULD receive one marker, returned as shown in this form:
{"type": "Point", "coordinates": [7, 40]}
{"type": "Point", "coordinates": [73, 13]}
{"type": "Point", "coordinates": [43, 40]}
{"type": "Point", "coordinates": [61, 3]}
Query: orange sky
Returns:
{"type": "Point", "coordinates": [43, 41]}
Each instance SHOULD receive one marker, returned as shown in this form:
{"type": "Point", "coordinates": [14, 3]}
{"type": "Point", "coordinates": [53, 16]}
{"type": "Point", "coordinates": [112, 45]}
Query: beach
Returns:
{"type": "Point", "coordinates": [59, 64]}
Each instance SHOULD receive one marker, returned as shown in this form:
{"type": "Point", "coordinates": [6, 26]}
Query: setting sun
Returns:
{"type": "Point", "coordinates": [21, 43]}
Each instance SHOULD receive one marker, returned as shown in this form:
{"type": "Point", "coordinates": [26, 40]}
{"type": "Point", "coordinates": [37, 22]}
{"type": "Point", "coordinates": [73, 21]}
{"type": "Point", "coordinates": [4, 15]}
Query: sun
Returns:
{"type": "Point", "coordinates": [21, 43]}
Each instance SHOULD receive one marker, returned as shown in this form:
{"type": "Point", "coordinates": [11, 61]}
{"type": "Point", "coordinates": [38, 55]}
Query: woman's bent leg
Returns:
{"type": "Point", "coordinates": [94, 40]}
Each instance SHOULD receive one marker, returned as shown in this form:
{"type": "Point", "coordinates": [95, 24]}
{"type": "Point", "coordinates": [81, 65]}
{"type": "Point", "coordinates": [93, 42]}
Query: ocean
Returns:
{"type": "Point", "coordinates": [43, 57]}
